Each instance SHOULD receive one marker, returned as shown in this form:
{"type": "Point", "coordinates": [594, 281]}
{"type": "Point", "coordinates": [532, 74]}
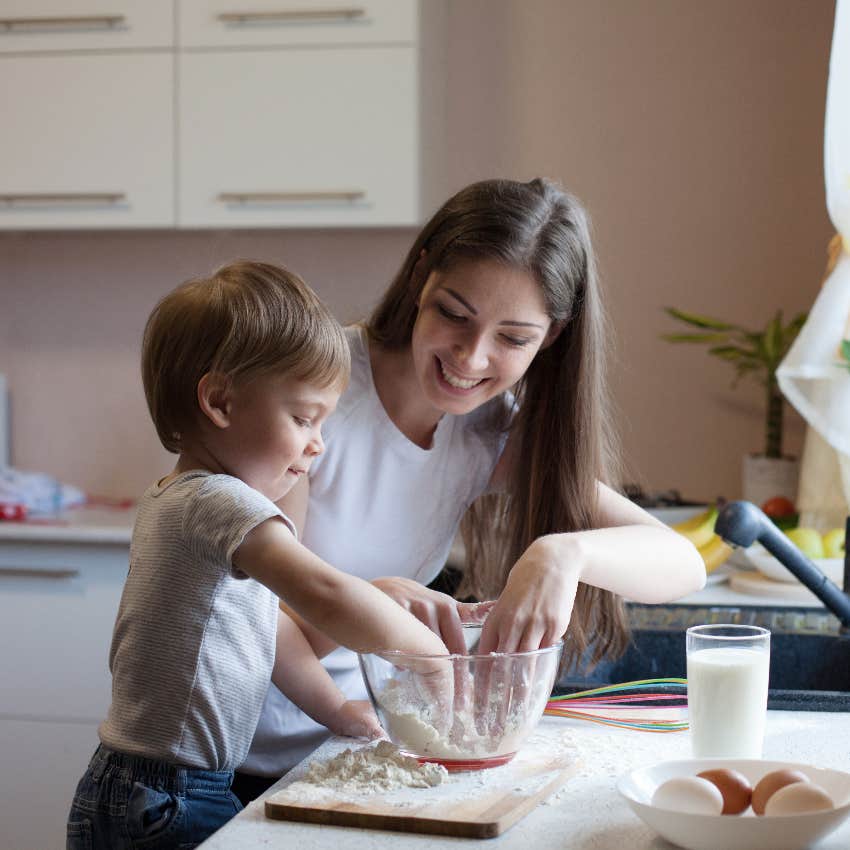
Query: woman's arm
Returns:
{"type": "Point", "coordinates": [631, 554]}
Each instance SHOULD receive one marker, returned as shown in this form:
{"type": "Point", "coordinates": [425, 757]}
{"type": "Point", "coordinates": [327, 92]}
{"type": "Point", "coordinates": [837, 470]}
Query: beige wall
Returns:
{"type": "Point", "coordinates": [693, 132]}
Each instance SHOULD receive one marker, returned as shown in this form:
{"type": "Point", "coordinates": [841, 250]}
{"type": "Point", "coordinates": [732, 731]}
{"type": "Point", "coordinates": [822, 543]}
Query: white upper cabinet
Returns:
{"type": "Point", "coordinates": [38, 25]}
{"type": "Point", "coordinates": [214, 113]}
{"type": "Point", "coordinates": [298, 137]}
{"type": "Point", "coordinates": [88, 140]}
{"type": "Point", "coordinates": [254, 23]}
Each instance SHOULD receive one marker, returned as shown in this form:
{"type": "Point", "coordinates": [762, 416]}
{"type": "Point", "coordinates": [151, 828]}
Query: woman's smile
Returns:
{"type": "Point", "coordinates": [455, 379]}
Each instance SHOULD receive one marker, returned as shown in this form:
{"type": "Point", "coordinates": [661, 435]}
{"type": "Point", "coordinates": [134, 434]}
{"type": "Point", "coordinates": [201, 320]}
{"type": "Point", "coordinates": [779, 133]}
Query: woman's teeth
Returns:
{"type": "Point", "coordinates": [459, 383]}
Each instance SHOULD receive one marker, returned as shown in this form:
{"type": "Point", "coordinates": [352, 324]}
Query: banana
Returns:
{"type": "Point", "coordinates": [699, 529]}
{"type": "Point", "coordinates": [714, 553]}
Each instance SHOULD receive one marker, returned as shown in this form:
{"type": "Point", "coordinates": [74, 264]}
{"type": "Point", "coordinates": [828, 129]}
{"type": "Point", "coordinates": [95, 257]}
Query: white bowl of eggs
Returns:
{"type": "Point", "coordinates": [738, 804]}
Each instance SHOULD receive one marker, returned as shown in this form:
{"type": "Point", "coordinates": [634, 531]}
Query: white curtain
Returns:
{"type": "Point", "coordinates": [813, 376]}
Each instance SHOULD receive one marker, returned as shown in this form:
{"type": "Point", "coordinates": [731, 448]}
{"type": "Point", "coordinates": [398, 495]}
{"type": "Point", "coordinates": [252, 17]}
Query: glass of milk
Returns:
{"type": "Point", "coordinates": [728, 668]}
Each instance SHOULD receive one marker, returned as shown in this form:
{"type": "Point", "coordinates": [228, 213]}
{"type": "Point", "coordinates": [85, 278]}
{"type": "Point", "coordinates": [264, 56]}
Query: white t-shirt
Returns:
{"type": "Point", "coordinates": [379, 506]}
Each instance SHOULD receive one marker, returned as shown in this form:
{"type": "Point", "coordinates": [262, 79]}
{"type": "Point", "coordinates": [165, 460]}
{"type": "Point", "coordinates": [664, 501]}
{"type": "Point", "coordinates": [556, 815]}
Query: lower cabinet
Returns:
{"type": "Point", "coordinates": [57, 608]}
{"type": "Point", "coordinates": [42, 763]}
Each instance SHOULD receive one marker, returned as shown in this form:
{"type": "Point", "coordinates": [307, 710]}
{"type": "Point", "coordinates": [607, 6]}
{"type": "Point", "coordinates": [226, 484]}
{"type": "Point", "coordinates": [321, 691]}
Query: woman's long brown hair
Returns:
{"type": "Point", "coordinates": [561, 435]}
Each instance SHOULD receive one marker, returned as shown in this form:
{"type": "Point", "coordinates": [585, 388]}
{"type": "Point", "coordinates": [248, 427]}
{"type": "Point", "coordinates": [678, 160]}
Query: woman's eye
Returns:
{"type": "Point", "coordinates": [452, 317]}
{"type": "Point", "coordinates": [515, 341]}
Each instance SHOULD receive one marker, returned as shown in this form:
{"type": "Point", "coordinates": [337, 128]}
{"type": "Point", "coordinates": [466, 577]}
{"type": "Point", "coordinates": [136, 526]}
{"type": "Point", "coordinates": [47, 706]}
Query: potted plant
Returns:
{"type": "Point", "coordinates": [756, 354]}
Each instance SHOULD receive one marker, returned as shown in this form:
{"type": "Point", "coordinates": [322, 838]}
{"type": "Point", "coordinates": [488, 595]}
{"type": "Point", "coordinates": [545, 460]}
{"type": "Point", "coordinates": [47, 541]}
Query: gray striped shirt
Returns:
{"type": "Point", "coordinates": [193, 645]}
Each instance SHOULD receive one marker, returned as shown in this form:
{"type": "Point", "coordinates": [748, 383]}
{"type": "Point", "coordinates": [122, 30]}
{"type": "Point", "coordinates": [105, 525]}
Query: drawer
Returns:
{"type": "Point", "coordinates": [254, 23]}
{"type": "Point", "coordinates": [38, 25]}
{"type": "Point", "coordinates": [57, 611]}
{"type": "Point", "coordinates": [259, 147]}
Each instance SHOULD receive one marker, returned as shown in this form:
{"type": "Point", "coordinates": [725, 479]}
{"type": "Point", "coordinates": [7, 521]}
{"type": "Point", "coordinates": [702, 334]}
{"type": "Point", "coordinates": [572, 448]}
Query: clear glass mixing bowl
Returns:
{"type": "Point", "coordinates": [465, 712]}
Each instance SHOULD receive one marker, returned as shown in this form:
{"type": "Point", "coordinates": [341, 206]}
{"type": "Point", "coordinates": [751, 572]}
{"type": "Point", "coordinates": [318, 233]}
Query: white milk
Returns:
{"type": "Point", "coordinates": [727, 701]}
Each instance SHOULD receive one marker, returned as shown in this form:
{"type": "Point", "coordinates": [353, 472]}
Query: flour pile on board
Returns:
{"type": "Point", "coordinates": [370, 769]}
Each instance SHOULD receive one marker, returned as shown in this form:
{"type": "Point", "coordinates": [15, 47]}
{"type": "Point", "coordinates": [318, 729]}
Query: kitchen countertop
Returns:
{"type": "Point", "coordinates": [586, 814]}
{"type": "Point", "coordinates": [79, 525]}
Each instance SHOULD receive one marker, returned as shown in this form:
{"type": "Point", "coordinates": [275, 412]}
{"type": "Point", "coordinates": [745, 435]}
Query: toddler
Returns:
{"type": "Point", "coordinates": [240, 371]}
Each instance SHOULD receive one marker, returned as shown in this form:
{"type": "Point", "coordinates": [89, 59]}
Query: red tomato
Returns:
{"type": "Point", "coordinates": [778, 506]}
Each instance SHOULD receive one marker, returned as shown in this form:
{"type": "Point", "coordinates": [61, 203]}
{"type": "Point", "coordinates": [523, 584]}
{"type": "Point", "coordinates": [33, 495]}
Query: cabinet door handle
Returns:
{"type": "Point", "coordinates": [32, 572]}
{"type": "Point", "coordinates": [329, 14]}
{"type": "Point", "coordinates": [270, 197]}
{"type": "Point", "coordinates": [62, 197]}
{"type": "Point", "coordinates": [107, 21]}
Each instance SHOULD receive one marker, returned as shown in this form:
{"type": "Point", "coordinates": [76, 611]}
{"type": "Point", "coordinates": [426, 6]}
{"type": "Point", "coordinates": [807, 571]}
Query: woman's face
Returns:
{"type": "Point", "coordinates": [478, 328]}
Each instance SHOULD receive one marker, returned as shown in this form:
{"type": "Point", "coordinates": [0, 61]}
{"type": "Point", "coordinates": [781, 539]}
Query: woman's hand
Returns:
{"type": "Point", "coordinates": [438, 611]}
{"type": "Point", "coordinates": [534, 608]}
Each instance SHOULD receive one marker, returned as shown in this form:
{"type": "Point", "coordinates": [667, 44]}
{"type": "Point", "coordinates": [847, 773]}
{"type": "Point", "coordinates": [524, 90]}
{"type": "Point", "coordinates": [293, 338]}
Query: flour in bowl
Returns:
{"type": "Point", "coordinates": [496, 728]}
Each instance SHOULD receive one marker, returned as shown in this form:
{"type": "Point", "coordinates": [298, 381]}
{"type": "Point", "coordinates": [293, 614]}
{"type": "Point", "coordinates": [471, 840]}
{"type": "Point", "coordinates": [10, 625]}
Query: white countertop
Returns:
{"type": "Point", "coordinates": [85, 524]}
{"type": "Point", "coordinates": [586, 814]}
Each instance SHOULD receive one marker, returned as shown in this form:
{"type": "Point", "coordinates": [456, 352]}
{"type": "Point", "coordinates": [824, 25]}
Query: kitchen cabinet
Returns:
{"type": "Point", "coordinates": [86, 99]}
{"type": "Point", "coordinates": [203, 113]}
{"type": "Point", "coordinates": [88, 140]}
{"type": "Point", "coordinates": [260, 146]}
{"type": "Point", "coordinates": [297, 113]}
{"type": "Point", "coordinates": [59, 592]}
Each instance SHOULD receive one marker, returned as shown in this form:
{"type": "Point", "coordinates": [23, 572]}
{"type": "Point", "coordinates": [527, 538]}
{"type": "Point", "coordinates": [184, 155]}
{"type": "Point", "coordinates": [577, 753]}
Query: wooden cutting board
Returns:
{"type": "Point", "coordinates": [472, 804]}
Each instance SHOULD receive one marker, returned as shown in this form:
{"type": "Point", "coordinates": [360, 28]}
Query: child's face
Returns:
{"type": "Point", "coordinates": [478, 328]}
{"type": "Point", "coordinates": [273, 431]}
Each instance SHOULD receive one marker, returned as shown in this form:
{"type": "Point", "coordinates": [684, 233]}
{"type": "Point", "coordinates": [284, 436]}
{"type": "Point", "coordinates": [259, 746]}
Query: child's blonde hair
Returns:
{"type": "Point", "coordinates": [245, 320]}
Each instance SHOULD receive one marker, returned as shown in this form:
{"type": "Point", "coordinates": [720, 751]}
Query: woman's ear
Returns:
{"type": "Point", "coordinates": [552, 334]}
{"type": "Point", "coordinates": [214, 398]}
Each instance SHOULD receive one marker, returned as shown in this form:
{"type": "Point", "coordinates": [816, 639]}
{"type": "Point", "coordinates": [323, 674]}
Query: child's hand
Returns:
{"type": "Point", "coordinates": [356, 719]}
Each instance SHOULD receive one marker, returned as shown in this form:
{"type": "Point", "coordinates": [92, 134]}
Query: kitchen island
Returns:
{"type": "Point", "coordinates": [587, 813]}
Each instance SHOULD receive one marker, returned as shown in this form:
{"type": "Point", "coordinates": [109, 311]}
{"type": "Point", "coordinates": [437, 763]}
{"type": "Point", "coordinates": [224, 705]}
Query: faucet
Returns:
{"type": "Point", "coordinates": [742, 524]}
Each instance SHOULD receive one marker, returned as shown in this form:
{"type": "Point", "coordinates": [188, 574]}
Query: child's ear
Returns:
{"type": "Point", "coordinates": [214, 398]}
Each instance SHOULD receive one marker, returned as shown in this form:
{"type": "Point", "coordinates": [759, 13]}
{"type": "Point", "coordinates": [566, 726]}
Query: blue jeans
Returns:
{"type": "Point", "coordinates": [126, 802]}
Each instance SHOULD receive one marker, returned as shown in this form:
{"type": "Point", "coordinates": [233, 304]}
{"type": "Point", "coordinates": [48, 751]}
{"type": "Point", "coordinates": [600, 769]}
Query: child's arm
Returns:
{"type": "Point", "coordinates": [633, 555]}
{"type": "Point", "coordinates": [346, 608]}
{"type": "Point", "coordinates": [300, 676]}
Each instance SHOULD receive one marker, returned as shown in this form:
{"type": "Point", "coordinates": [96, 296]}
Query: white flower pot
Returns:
{"type": "Point", "coordinates": [762, 478]}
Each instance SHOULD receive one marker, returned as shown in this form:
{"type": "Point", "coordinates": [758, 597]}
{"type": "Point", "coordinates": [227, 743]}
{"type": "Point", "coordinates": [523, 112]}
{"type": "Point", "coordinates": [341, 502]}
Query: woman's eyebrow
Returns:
{"type": "Point", "coordinates": [459, 297]}
{"type": "Point", "coordinates": [522, 324]}
{"type": "Point", "coordinates": [462, 300]}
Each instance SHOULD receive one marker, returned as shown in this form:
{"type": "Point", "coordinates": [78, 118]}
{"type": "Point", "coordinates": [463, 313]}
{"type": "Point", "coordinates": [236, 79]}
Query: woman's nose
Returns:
{"type": "Point", "coordinates": [472, 352]}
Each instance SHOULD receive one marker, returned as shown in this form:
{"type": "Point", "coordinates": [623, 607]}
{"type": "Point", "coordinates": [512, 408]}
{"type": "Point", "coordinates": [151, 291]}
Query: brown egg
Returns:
{"type": "Point", "coordinates": [770, 783]}
{"type": "Point", "coordinates": [733, 786]}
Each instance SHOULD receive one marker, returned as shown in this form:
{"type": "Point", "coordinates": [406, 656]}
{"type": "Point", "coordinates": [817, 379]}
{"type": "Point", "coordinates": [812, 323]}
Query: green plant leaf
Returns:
{"type": "Point", "coordinates": [707, 337]}
{"type": "Point", "coordinates": [730, 352]}
{"type": "Point", "coordinates": [699, 321]}
{"type": "Point", "coordinates": [772, 340]}
{"type": "Point", "coordinates": [845, 350]}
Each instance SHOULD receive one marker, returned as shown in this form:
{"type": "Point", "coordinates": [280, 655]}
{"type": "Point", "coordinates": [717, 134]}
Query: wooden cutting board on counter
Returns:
{"type": "Point", "coordinates": [471, 804]}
